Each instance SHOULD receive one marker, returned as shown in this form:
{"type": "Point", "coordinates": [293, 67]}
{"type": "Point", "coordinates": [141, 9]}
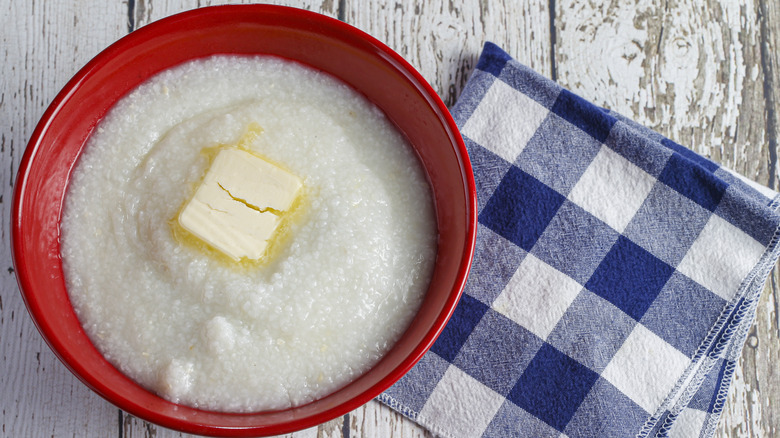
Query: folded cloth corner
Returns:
{"type": "Point", "coordinates": [615, 277]}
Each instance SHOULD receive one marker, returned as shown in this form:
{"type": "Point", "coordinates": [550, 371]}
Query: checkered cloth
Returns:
{"type": "Point", "coordinates": [616, 274]}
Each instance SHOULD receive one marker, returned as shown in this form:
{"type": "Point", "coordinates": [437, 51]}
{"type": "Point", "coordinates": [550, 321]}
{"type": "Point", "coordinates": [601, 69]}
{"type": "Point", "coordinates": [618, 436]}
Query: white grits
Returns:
{"type": "Point", "coordinates": [335, 297]}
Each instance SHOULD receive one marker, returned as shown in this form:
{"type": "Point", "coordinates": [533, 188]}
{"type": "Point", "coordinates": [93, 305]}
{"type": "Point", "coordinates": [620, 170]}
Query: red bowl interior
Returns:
{"type": "Point", "coordinates": [321, 42]}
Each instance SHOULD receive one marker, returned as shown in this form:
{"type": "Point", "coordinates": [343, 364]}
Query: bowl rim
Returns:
{"type": "Point", "coordinates": [24, 273]}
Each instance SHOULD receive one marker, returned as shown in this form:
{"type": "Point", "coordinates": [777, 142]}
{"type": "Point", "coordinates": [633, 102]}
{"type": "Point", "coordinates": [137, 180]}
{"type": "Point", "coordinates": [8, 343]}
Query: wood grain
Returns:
{"type": "Point", "coordinates": [704, 73]}
{"type": "Point", "coordinates": [752, 406]}
{"type": "Point", "coordinates": [43, 45]}
{"type": "Point", "coordinates": [443, 39]}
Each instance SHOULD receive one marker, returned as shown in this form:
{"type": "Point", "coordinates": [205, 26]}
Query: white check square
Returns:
{"type": "Point", "coordinates": [537, 296]}
{"type": "Point", "coordinates": [720, 257]}
{"type": "Point", "coordinates": [612, 189]}
{"type": "Point", "coordinates": [471, 405]}
{"type": "Point", "coordinates": [504, 121]}
{"type": "Point", "coordinates": [646, 368]}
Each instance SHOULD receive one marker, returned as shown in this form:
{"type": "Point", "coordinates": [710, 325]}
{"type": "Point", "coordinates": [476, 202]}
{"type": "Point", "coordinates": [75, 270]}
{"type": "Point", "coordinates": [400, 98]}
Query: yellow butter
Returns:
{"type": "Point", "coordinates": [238, 206]}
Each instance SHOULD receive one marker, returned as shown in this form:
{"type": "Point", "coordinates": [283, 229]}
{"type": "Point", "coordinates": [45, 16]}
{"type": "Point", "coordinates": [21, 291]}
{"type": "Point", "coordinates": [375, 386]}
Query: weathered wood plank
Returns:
{"type": "Point", "coordinates": [687, 70]}
{"type": "Point", "coordinates": [694, 72]}
{"type": "Point", "coordinates": [147, 11]}
{"type": "Point", "coordinates": [43, 45]}
{"type": "Point", "coordinates": [752, 406]}
{"type": "Point", "coordinates": [443, 39]}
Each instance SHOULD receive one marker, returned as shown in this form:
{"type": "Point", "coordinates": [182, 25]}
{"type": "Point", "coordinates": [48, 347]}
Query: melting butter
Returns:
{"type": "Point", "coordinates": [240, 203]}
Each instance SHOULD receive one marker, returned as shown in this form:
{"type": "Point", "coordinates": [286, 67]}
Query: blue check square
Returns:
{"type": "Point", "coordinates": [466, 316]}
{"type": "Point", "coordinates": [630, 278]}
{"type": "Point", "coordinates": [691, 155]}
{"type": "Point", "coordinates": [584, 115]}
{"type": "Point", "coordinates": [552, 387]}
{"type": "Point", "coordinates": [746, 213]}
{"type": "Point", "coordinates": [695, 182]}
{"type": "Point", "coordinates": [521, 208]}
{"type": "Point", "coordinates": [637, 149]}
{"type": "Point", "coordinates": [528, 82]}
{"type": "Point", "coordinates": [492, 59]}
{"type": "Point", "coordinates": [497, 352]}
{"type": "Point", "coordinates": [575, 242]}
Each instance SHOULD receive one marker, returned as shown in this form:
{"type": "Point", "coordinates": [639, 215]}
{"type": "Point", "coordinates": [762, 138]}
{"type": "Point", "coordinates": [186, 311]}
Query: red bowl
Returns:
{"type": "Point", "coordinates": [318, 41]}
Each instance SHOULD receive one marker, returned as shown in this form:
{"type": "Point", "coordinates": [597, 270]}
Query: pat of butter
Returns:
{"type": "Point", "coordinates": [237, 207]}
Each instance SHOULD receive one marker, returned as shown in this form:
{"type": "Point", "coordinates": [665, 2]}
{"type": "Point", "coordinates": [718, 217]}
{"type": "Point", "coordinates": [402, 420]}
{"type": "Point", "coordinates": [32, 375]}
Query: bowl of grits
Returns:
{"type": "Point", "coordinates": [243, 220]}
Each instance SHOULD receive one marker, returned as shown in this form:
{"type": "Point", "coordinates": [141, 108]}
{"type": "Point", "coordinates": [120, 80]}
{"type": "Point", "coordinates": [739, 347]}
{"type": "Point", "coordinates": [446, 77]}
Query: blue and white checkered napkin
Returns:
{"type": "Point", "coordinates": [615, 278]}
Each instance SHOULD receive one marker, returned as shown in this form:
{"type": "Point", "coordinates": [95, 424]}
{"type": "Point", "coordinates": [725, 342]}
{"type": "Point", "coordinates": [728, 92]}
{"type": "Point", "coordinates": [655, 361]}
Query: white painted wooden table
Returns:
{"type": "Point", "coordinates": [702, 72]}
